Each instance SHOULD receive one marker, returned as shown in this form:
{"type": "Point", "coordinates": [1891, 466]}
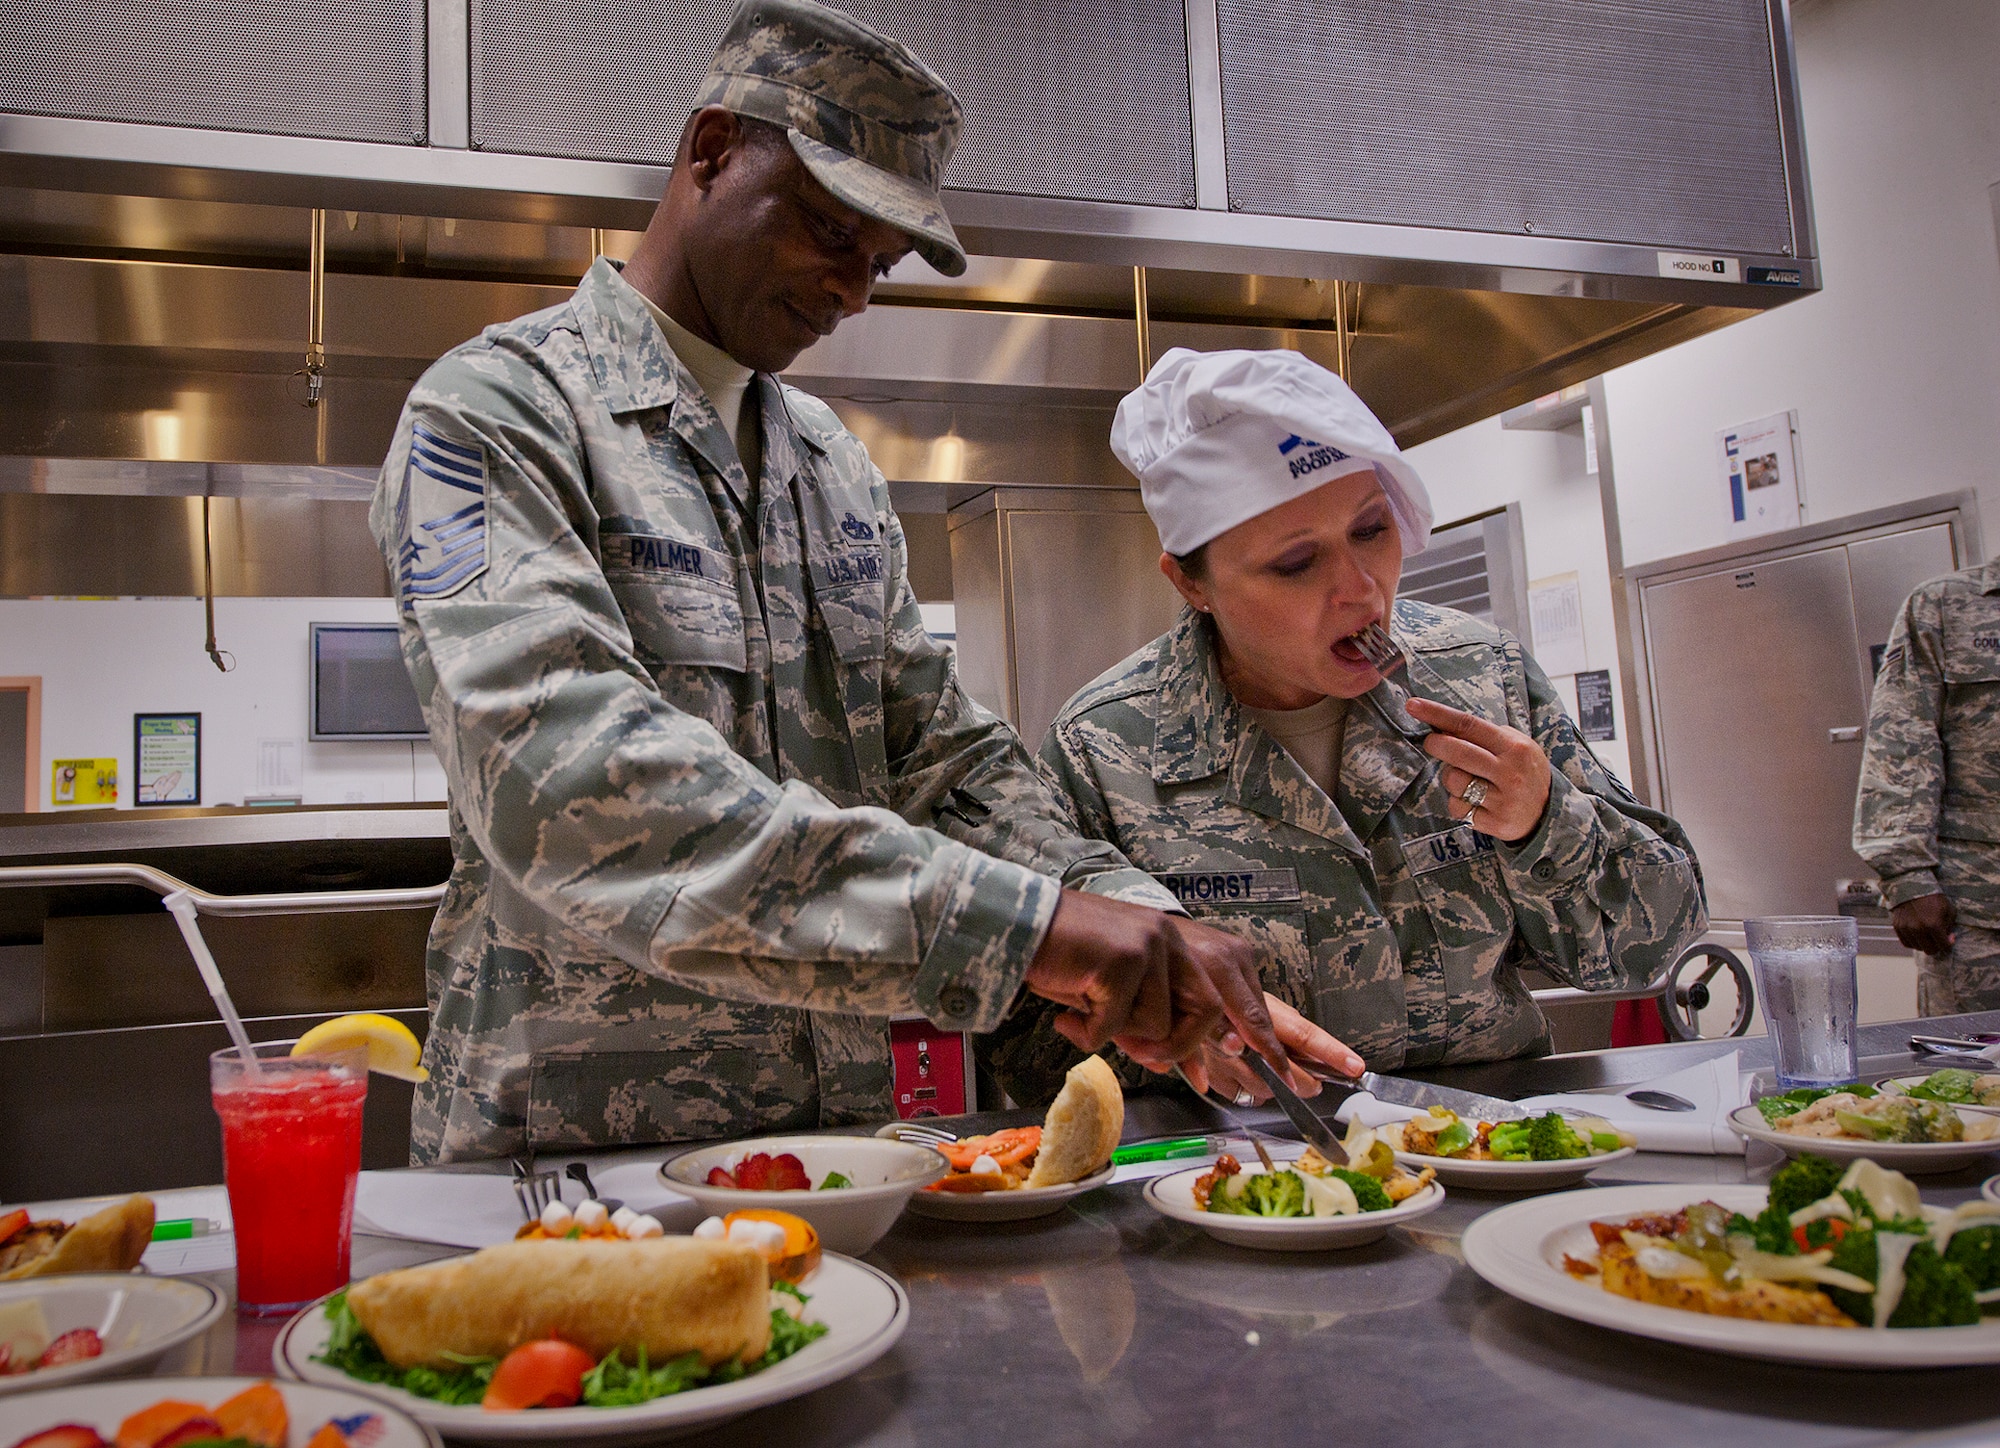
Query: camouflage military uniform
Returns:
{"type": "Point", "coordinates": [1396, 927]}
{"type": "Point", "coordinates": [1927, 816]}
{"type": "Point", "coordinates": [718, 803]}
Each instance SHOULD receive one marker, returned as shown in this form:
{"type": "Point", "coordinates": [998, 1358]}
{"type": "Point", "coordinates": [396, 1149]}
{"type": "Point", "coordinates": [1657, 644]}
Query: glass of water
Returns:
{"type": "Point", "coordinates": [1806, 985]}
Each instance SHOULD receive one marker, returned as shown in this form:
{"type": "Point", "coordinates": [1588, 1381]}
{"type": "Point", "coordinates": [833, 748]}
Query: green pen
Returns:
{"type": "Point", "coordinates": [1165, 1150]}
{"type": "Point", "coordinates": [182, 1228]}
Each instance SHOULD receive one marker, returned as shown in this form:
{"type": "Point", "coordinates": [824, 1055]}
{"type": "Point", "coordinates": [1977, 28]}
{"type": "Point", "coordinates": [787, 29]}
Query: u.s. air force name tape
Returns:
{"type": "Point", "coordinates": [1445, 849]}
{"type": "Point", "coordinates": [1232, 887]}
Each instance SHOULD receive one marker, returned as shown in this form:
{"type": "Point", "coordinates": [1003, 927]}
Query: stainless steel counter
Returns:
{"type": "Point", "coordinates": [1109, 1324]}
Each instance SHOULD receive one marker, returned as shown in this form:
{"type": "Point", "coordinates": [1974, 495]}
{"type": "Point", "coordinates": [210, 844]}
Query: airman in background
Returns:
{"type": "Point", "coordinates": [1927, 815]}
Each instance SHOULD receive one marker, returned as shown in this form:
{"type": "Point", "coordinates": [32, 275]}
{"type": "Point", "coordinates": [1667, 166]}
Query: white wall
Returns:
{"type": "Point", "coordinates": [1895, 367]}
{"type": "Point", "coordinates": [103, 660]}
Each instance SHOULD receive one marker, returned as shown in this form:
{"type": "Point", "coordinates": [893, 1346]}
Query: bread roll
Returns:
{"type": "Point", "coordinates": [112, 1240]}
{"type": "Point", "coordinates": [673, 1295]}
{"type": "Point", "coordinates": [1083, 1125]}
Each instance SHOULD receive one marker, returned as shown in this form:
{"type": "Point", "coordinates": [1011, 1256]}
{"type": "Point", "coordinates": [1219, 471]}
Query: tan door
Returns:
{"type": "Point", "coordinates": [20, 744]}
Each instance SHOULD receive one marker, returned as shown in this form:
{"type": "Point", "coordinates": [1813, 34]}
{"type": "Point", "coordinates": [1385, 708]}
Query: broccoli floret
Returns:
{"type": "Point", "coordinates": [1975, 1251]}
{"type": "Point", "coordinates": [1802, 1181]}
{"type": "Point", "coordinates": [1551, 1139]}
{"type": "Point", "coordinates": [1268, 1194]}
{"type": "Point", "coordinates": [1935, 1293]}
{"type": "Point", "coordinates": [1369, 1194]}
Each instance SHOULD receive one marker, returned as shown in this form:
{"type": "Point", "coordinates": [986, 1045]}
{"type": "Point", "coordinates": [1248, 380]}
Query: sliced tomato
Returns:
{"type": "Point", "coordinates": [1015, 1144]}
{"type": "Point", "coordinates": [10, 1223]}
{"type": "Point", "coordinates": [66, 1435]}
{"type": "Point", "coordinates": [79, 1344]}
{"type": "Point", "coordinates": [544, 1374]}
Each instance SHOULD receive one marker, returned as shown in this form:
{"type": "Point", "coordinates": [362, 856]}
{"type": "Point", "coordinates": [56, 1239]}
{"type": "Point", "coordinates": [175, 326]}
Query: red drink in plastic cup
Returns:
{"type": "Point", "coordinates": [291, 1149]}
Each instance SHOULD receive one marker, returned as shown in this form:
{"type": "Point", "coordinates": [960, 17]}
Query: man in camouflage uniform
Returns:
{"type": "Point", "coordinates": [1385, 919]}
{"type": "Point", "coordinates": [1927, 816]}
{"type": "Point", "coordinates": [718, 803]}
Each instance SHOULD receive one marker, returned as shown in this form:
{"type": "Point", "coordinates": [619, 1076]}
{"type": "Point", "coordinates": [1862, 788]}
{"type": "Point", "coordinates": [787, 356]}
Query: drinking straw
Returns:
{"type": "Point", "coordinates": [181, 906]}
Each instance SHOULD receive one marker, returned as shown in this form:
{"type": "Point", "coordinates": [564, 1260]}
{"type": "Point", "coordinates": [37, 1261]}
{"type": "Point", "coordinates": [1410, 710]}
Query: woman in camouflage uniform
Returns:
{"type": "Point", "coordinates": [1399, 848]}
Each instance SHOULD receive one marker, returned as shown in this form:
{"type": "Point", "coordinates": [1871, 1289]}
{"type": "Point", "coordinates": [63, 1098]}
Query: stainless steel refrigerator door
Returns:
{"type": "Point", "coordinates": [1754, 670]}
{"type": "Point", "coordinates": [1884, 571]}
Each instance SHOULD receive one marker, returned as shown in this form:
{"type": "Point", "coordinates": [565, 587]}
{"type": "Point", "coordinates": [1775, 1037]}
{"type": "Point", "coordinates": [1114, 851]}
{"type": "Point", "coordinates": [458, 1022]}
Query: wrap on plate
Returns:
{"type": "Point", "coordinates": [671, 1295]}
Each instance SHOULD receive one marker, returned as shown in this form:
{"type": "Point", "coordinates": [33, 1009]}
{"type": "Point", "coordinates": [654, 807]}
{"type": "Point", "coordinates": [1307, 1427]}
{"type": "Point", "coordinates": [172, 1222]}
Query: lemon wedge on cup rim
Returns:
{"type": "Point", "coordinates": [392, 1049]}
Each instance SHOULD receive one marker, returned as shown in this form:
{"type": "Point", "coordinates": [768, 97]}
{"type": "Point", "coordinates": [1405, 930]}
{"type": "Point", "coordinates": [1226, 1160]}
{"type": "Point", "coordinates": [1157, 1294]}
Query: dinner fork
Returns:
{"type": "Point", "coordinates": [535, 1190]}
{"type": "Point", "coordinates": [910, 1131]}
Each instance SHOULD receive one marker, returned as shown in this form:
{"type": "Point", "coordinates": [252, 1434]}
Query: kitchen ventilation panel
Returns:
{"type": "Point", "coordinates": [1085, 99]}
{"type": "Point", "coordinates": [1651, 122]}
{"type": "Point", "coordinates": [349, 70]}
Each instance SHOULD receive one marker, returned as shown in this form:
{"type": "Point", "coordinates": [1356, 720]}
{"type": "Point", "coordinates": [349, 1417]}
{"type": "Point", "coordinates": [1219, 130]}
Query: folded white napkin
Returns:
{"type": "Point", "coordinates": [1716, 1087]}
{"type": "Point", "coordinates": [478, 1209]}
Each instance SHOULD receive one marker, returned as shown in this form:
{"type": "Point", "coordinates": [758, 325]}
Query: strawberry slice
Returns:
{"type": "Point", "coordinates": [75, 1346]}
{"type": "Point", "coordinates": [192, 1431]}
{"type": "Point", "coordinates": [66, 1435]}
{"type": "Point", "coordinates": [719, 1176]}
{"type": "Point", "coordinates": [786, 1174]}
{"type": "Point", "coordinates": [752, 1171]}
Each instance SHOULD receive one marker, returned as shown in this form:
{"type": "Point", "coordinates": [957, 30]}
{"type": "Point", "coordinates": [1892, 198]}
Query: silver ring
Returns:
{"type": "Point", "coordinates": [1473, 810]}
{"type": "Point", "coordinates": [1475, 794]}
{"type": "Point", "coordinates": [1244, 1098]}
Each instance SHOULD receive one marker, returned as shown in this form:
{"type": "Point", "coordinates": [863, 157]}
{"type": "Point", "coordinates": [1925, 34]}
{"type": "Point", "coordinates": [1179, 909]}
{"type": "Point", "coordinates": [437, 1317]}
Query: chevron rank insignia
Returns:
{"type": "Point", "coordinates": [444, 518]}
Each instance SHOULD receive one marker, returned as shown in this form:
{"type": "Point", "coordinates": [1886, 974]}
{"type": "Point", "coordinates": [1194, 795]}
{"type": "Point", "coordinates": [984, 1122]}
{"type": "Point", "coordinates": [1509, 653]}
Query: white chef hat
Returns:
{"type": "Point", "coordinates": [1216, 438]}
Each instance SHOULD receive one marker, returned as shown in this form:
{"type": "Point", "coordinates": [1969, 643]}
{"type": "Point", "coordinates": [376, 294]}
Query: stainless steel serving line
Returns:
{"type": "Point", "coordinates": [1110, 1324]}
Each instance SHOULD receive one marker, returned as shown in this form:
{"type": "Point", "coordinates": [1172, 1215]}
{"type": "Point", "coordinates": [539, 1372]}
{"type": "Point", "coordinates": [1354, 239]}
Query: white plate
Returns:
{"type": "Point", "coordinates": [1173, 1196]}
{"type": "Point", "coordinates": [864, 1309]}
{"type": "Point", "coordinates": [1019, 1205]}
{"type": "Point", "coordinates": [1904, 1083]}
{"type": "Point", "coordinates": [1519, 1249]}
{"type": "Point", "coordinates": [104, 1405]}
{"type": "Point", "coordinates": [1914, 1158]}
{"type": "Point", "coordinates": [141, 1319]}
{"type": "Point", "coordinates": [1512, 1176]}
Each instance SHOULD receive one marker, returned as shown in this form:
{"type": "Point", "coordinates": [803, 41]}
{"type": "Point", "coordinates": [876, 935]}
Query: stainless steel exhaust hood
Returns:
{"type": "Point", "coordinates": [1463, 205]}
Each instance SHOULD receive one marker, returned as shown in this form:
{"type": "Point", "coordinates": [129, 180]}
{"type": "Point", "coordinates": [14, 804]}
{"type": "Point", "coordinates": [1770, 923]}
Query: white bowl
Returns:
{"type": "Point", "coordinates": [139, 1318]}
{"type": "Point", "coordinates": [1173, 1196]}
{"type": "Point", "coordinates": [849, 1219]}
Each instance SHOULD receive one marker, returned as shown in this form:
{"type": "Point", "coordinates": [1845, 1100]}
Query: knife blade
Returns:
{"type": "Point", "coordinates": [1421, 1095]}
{"type": "Point", "coordinates": [1314, 1131]}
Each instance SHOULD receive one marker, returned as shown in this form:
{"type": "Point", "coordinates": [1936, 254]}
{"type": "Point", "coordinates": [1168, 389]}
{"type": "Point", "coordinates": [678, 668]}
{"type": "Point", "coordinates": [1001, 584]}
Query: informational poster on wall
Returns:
{"type": "Point", "coordinates": [1555, 616]}
{"type": "Point", "coordinates": [90, 782]}
{"type": "Point", "coordinates": [1760, 471]}
{"type": "Point", "coordinates": [166, 755]}
{"type": "Point", "coordinates": [1596, 718]}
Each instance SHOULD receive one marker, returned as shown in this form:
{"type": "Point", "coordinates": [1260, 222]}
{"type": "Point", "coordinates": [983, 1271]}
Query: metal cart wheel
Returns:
{"type": "Point", "coordinates": [1687, 992]}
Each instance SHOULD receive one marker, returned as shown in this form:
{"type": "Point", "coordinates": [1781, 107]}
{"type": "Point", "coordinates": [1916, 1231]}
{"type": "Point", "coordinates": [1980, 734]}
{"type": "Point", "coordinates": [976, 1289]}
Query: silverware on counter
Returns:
{"type": "Point", "coordinates": [1661, 1100]}
{"type": "Point", "coordinates": [1963, 1048]}
{"type": "Point", "coordinates": [917, 1135]}
{"type": "Point", "coordinates": [534, 1190]}
{"type": "Point", "coordinates": [580, 1174]}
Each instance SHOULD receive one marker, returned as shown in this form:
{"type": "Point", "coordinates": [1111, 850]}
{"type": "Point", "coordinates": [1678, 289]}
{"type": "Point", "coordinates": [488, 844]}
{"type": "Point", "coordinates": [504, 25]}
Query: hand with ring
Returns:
{"type": "Point", "coordinates": [1499, 775]}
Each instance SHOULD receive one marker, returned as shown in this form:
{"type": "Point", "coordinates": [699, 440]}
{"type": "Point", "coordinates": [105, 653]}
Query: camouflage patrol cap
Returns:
{"type": "Point", "coordinates": [871, 121]}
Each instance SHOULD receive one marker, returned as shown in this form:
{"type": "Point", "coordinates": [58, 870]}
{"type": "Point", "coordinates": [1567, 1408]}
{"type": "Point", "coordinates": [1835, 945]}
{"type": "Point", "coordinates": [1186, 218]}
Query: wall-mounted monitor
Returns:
{"type": "Point", "coordinates": [360, 689]}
